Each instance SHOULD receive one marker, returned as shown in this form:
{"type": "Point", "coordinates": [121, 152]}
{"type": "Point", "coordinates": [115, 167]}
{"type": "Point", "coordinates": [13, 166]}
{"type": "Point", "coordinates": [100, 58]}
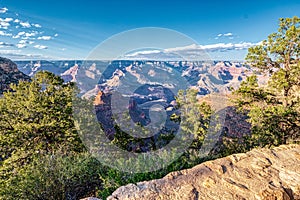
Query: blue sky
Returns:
{"type": "Point", "coordinates": [68, 29]}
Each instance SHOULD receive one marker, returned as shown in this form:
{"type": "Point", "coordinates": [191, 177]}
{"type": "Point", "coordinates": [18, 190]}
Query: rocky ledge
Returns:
{"type": "Point", "coordinates": [266, 174]}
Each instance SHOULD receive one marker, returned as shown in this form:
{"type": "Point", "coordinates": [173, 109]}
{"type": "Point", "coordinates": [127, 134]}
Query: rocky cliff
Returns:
{"type": "Point", "coordinates": [9, 73]}
{"type": "Point", "coordinates": [259, 174]}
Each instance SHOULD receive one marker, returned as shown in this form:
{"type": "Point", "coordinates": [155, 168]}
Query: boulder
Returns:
{"type": "Point", "coordinates": [266, 174]}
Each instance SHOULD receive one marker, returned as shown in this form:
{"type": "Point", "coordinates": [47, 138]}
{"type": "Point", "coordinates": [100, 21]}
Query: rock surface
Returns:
{"type": "Point", "coordinates": [9, 73]}
{"type": "Point", "coordinates": [259, 174]}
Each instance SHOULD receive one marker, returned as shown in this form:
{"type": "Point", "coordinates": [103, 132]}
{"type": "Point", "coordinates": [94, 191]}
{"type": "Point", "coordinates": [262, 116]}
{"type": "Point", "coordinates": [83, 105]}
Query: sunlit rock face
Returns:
{"type": "Point", "coordinates": [259, 174]}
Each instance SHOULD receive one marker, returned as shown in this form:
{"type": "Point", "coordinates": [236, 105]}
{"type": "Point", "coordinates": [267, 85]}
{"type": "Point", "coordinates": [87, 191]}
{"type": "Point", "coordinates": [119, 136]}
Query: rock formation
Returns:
{"type": "Point", "coordinates": [9, 73]}
{"type": "Point", "coordinates": [98, 99]}
{"type": "Point", "coordinates": [259, 174]}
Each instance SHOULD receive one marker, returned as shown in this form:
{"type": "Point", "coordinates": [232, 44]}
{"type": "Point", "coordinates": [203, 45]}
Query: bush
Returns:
{"type": "Point", "coordinates": [55, 177]}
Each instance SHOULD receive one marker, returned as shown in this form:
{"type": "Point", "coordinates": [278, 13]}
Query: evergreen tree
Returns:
{"type": "Point", "coordinates": [36, 118]}
{"type": "Point", "coordinates": [274, 108]}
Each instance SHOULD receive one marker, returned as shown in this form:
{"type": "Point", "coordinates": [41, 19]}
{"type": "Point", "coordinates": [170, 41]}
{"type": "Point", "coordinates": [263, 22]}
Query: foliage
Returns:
{"type": "Point", "coordinates": [42, 156]}
{"type": "Point", "coordinates": [196, 116]}
{"type": "Point", "coordinates": [37, 117]}
{"type": "Point", "coordinates": [35, 121]}
{"type": "Point", "coordinates": [53, 177]}
{"type": "Point", "coordinates": [274, 108]}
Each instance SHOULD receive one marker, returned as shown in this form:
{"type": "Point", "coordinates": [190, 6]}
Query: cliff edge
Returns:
{"type": "Point", "coordinates": [259, 174]}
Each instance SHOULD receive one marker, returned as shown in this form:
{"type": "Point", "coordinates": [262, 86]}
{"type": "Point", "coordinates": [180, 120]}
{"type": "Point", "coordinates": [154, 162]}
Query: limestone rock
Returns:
{"type": "Point", "coordinates": [264, 174]}
{"type": "Point", "coordinates": [90, 198]}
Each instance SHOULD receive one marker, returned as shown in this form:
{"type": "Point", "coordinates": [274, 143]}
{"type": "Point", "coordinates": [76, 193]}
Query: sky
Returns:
{"type": "Point", "coordinates": [66, 29]}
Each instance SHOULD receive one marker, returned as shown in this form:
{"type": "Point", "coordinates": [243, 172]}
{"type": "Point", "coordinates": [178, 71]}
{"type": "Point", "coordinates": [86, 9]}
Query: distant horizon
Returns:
{"type": "Point", "coordinates": [49, 60]}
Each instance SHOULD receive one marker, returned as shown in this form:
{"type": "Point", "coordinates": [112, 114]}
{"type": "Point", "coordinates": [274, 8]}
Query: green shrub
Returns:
{"type": "Point", "coordinates": [54, 177]}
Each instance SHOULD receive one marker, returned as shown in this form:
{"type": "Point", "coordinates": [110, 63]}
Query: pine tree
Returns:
{"type": "Point", "coordinates": [274, 108]}
{"type": "Point", "coordinates": [36, 117]}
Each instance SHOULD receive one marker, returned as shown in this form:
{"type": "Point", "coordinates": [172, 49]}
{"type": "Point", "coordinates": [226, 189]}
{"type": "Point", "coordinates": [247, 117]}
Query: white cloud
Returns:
{"type": "Point", "coordinates": [37, 25]}
{"type": "Point", "coordinates": [2, 33]}
{"type": "Point", "coordinates": [45, 38]}
{"type": "Point", "coordinates": [17, 21]}
{"type": "Point", "coordinates": [55, 35]}
{"type": "Point", "coordinates": [151, 55]}
{"type": "Point", "coordinates": [6, 19]}
{"type": "Point", "coordinates": [228, 34]}
{"type": "Point", "coordinates": [9, 51]}
{"type": "Point", "coordinates": [214, 47]}
{"type": "Point", "coordinates": [3, 10]}
{"type": "Point", "coordinates": [18, 55]}
{"type": "Point", "coordinates": [32, 34]}
{"type": "Point", "coordinates": [21, 46]}
{"type": "Point", "coordinates": [25, 35]}
{"type": "Point", "coordinates": [25, 24]}
{"type": "Point", "coordinates": [19, 35]}
{"type": "Point", "coordinates": [40, 47]}
{"type": "Point", "coordinates": [139, 53]}
{"type": "Point", "coordinates": [227, 46]}
{"type": "Point", "coordinates": [4, 44]}
{"type": "Point", "coordinates": [22, 41]}
{"type": "Point", "coordinates": [4, 25]}
{"type": "Point", "coordinates": [25, 38]}
{"type": "Point", "coordinates": [190, 52]}
{"type": "Point", "coordinates": [22, 33]}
